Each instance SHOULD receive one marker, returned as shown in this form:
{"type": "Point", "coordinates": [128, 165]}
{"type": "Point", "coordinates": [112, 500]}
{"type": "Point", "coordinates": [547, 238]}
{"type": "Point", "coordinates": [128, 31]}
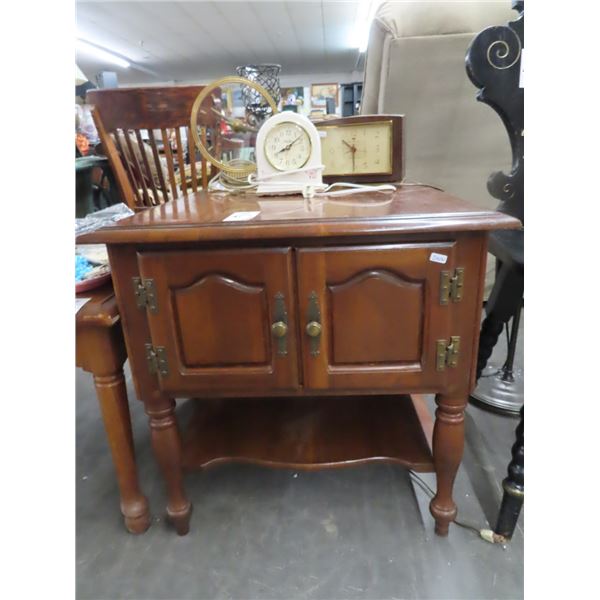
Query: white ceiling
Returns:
{"type": "Point", "coordinates": [201, 40]}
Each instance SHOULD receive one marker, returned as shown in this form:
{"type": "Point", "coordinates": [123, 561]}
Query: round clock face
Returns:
{"type": "Point", "coordinates": [287, 146]}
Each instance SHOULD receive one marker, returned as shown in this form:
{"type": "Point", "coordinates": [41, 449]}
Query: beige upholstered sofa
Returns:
{"type": "Point", "coordinates": [415, 65]}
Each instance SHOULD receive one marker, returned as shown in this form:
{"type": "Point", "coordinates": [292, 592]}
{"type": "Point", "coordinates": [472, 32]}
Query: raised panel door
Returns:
{"type": "Point", "coordinates": [379, 315]}
{"type": "Point", "coordinates": [216, 311]}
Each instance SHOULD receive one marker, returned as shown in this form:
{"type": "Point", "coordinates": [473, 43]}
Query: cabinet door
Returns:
{"type": "Point", "coordinates": [379, 313]}
{"type": "Point", "coordinates": [215, 316]}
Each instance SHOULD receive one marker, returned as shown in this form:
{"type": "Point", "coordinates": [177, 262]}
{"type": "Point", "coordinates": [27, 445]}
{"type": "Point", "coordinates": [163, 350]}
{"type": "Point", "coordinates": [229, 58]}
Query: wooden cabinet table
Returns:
{"type": "Point", "coordinates": [303, 331]}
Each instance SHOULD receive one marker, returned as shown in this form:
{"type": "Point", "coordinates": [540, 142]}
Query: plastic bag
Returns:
{"type": "Point", "coordinates": [102, 218]}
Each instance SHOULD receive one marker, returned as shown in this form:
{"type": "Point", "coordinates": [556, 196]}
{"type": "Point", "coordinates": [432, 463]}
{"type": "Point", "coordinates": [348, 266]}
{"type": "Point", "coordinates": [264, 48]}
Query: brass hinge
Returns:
{"type": "Point", "coordinates": [157, 360]}
{"type": "Point", "coordinates": [447, 353]}
{"type": "Point", "coordinates": [451, 286]}
{"type": "Point", "coordinates": [145, 293]}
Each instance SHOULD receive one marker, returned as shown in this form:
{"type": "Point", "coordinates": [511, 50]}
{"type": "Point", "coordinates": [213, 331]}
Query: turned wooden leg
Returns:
{"type": "Point", "coordinates": [514, 486]}
{"type": "Point", "coordinates": [448, 443]}
{"type": "Point", "coordinates": [101, 351]}
{"type": "Point", "coordinates": [167, 447]}
{"type": "Point", "coordinates": [112, 396]}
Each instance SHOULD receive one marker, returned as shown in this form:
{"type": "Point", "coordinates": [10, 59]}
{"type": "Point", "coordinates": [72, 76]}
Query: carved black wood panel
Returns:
{"type": "Point", "coordinates": [493, 64]}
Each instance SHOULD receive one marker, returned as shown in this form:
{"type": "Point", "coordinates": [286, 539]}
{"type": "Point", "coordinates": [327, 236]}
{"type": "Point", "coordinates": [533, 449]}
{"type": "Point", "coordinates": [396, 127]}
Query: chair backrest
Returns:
{"type": "Point", "coordinates": [415, 66]}
{"type": "Point", "coordinates": [141, 131]}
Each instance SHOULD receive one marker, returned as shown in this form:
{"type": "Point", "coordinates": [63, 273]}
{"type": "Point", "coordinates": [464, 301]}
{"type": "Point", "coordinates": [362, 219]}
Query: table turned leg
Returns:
{"type": "Point", "coordinates": [167, 448]}
{"type": "Point", "coordinates": [101, 352]}
{"type": "Point", "coordinates": [448, 444]}
{"type": "Point", "coordinates": [112, 397]}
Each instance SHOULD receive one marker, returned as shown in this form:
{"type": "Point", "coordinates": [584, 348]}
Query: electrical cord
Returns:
{"type": "Point", "coordinates": [419, 184]}
{"type": "Point", "coordinates": [350, 188]}
{"type": "Point", "coordinates": [487, 534]}
{"type": "Point", "coordinates": [224, 182]}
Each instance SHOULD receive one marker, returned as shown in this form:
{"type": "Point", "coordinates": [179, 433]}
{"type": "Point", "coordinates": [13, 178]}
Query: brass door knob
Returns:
{"type": "Point", "coordinates": [313, 329]}
{"type": "Point", "coordinates": [279, 329]}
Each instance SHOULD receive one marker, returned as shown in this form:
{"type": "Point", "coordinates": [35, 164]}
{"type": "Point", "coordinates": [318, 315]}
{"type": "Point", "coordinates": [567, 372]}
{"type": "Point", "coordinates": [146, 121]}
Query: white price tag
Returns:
{"type": "Point", "coordinates": [438, 258]}
{"type": "Point", "coordinates": [243, 215]}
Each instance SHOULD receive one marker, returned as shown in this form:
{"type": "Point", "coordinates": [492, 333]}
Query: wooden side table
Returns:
{"type": "Point", "coordinates": [100, 350]}
{"type": "Point", "coordinates": [303, 333]}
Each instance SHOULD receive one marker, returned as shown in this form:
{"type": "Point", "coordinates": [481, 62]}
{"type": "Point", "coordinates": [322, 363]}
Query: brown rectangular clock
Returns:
{"type": "Point", "coordinates": [362, 149]}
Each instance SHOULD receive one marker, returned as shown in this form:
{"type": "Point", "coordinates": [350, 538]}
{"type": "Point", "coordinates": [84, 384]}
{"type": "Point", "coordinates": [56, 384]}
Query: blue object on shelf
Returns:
{"type": "Point", "coordinates": [82, 266]}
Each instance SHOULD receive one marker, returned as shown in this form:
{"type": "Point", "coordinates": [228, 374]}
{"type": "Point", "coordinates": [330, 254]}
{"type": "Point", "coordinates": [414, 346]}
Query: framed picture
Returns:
{"type": "Point", "coordinates": [319, 92]}
{"type": "Point", "coordinates": [292, 96]}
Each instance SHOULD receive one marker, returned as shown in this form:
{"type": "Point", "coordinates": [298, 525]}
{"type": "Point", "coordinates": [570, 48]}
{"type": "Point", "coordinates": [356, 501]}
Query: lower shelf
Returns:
{"type": "Point", "coordinates": [306, 433]}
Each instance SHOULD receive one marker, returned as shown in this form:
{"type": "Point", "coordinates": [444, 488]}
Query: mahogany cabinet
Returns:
{"type": "Point", "coordinates": [302, 332]}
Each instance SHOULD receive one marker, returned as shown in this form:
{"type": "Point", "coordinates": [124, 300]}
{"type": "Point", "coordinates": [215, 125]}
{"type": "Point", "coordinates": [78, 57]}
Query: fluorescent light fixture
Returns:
{"type": "Point", "coordinates": [364, 17]}
{"type": "Point", "coordinates": [101, 54]}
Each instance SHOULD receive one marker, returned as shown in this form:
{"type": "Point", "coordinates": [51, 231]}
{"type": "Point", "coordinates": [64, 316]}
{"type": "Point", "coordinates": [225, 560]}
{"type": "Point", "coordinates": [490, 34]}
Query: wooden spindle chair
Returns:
{"type": "Point", "coordinates": [141, 131]}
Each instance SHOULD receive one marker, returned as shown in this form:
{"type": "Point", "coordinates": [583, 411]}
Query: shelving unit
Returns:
{"type": "Point", "coordinates": [351, 96]}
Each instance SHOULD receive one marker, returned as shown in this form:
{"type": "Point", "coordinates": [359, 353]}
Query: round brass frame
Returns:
{"type": "Point", "coordinates": [307, 137]}
{"type": "Point", "coordinates": [233, 171]}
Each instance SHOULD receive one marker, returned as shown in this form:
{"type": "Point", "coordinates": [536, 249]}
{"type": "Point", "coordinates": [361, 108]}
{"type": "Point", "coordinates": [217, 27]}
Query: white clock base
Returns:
{"type": "Point", "coordinates": [291, 182]}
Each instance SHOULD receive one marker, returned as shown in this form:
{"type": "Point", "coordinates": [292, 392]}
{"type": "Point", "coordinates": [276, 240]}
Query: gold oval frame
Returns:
{"type": "Point", "coordinates": [234, 171]}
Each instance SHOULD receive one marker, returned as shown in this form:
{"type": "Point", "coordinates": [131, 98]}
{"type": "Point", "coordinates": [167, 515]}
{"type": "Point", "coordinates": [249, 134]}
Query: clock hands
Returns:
{"type": "Point", "coordinates": [353, 150]}
{"type": "Point", "coordinates": [289, 145]}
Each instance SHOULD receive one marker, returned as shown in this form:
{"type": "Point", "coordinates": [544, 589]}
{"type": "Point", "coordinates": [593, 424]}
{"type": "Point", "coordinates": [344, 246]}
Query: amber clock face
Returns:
{"type": "Point", "coordinates": [357, 149]}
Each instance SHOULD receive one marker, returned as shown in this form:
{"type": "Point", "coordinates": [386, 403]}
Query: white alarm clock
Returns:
{"type": "Point", "coordinates": [288, 155]}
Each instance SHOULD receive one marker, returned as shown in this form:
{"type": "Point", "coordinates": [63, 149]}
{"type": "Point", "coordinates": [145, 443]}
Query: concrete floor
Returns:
{"type": "Point", "coordinates": [257, 533]}
{"type": "Point", "coordinates": [363, 532]}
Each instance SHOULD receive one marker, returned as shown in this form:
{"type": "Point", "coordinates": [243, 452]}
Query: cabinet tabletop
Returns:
{"type": "Point", "coordinates": [204, 216]}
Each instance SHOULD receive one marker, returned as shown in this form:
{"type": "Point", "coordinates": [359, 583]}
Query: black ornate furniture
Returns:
{"type": "Point", "coordinates": [493, 64]}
